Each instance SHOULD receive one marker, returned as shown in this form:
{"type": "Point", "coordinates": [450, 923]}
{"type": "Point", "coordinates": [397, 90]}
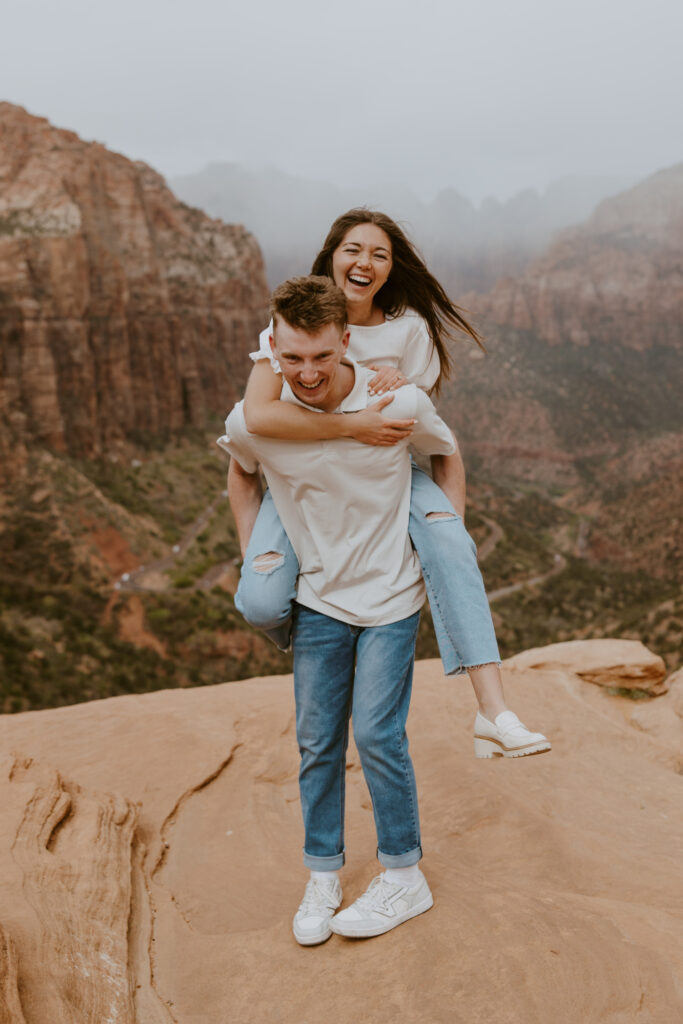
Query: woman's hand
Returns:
{"type": "Point", "coordinates": [370, 427]}
{"type": "Point", "coordinates": [387, 378]}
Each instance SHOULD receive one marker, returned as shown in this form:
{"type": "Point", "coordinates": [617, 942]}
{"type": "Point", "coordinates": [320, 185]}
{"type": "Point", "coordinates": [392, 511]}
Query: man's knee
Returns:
{"type": "Point", "coordinates": [369, 741]}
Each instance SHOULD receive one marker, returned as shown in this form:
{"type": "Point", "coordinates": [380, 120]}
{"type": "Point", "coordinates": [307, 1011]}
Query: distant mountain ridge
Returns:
{"type": "Point", "coordinates": [617, 279]}
{"type": "Point", "coordinates": [584, 373]}
{"type": "Point", "coordinates": [468, 248]}
{"type": "Point", "coordinates": [122, 311]}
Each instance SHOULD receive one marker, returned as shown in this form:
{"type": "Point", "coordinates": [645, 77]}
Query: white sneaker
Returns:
{"type": "Point", "coordinates": [383, 906]}
{"type": "Point", "coordinates": [311, 923]}
{"type": "Point", "coordinates": [506, 737]}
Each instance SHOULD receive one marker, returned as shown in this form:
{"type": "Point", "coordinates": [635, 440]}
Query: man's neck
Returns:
{"type": "Point", "coordinates": [343, 386]}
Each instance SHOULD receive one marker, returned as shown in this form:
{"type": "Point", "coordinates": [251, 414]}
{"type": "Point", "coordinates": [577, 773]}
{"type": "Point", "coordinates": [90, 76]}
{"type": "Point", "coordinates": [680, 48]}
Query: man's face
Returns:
{"type": "Point", "coordinates": [310, 362]}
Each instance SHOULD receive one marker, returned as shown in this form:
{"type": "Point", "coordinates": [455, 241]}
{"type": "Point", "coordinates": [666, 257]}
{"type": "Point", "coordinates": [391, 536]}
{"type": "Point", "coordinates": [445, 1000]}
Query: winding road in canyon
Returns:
{"type": "Point", "coordinates": [153, 577]}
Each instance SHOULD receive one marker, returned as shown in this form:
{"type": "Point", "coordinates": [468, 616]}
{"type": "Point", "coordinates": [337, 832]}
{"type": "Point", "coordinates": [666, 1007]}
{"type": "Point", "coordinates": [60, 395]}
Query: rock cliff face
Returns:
{"type": "Point", "coordinates": [171, 898]}
{"type": "Point", "coordinates": [584, 347]}
{"type": "Point", "coordinates": [616, 280]}
{"type": "Point", "coordinates": [122, 311]}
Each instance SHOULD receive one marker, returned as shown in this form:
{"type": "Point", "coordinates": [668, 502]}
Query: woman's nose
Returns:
{"type": "Point", "coordinates": [363, 259]}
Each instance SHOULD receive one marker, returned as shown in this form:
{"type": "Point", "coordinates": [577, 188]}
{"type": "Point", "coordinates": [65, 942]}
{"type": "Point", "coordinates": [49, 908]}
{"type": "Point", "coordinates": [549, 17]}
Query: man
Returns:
{"type": "Point", "coordinates": [345, 507]}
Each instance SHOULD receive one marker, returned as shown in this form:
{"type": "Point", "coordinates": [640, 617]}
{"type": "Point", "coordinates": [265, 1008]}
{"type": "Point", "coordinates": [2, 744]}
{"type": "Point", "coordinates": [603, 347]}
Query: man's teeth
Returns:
{"type": "Point", "coordinates": [355, 279]}
{"type": "Point", "coordinates": [310, 387]}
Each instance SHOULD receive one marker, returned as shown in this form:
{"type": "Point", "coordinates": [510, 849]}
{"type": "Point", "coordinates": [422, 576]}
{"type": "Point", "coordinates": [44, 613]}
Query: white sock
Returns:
{"type": "Point", "coordinates": [409, 876]}
{"type": "Point", "coordinates": [328, 878]}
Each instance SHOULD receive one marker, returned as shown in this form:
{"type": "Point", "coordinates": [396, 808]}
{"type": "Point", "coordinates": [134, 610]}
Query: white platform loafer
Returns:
{"type": "Point", "coordinates": [311, 924]}
{"type": "Point", "coordinates": [506, 737]}
{"type": "Point", "coordinates": [383, 906]}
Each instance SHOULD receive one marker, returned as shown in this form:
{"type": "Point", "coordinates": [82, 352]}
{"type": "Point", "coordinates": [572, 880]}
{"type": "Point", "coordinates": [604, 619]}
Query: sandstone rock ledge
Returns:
{"type": "Point", "coordinates": [150, 862]}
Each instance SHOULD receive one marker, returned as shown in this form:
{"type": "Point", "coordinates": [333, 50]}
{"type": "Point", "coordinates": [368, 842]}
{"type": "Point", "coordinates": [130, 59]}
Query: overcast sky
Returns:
{"type": "Point", "coordinates": [487, 97]}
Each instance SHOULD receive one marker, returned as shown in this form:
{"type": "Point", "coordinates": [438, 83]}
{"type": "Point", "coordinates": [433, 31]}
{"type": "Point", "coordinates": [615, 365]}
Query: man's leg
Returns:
{"type": "Point", "coordinates": [323, 679]}
{"type": "Point", "coordinates": [381, 699]}
{"type": "Point", "coordinates": [324, 650]}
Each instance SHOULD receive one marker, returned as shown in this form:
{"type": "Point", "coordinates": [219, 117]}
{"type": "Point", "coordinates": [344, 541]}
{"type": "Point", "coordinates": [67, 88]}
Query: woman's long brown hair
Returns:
{"type": "Point", "coordinates": [410, 284]}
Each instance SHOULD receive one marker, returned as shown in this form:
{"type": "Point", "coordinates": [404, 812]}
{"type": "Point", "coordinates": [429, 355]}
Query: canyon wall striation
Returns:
{"type": "Point", "coordinates": [123, 312]}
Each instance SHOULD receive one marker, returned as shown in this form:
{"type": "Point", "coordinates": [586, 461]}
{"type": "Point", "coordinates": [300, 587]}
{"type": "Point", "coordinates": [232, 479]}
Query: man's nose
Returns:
{"type": "Point", "coordinates": [309, 374]}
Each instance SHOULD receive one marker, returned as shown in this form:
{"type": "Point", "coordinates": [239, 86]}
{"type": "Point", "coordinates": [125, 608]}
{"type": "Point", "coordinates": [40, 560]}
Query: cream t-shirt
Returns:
{"type": "Point", "coordinates": [345, 506]}
{"type": "Point", "coordinates": [403, 342]}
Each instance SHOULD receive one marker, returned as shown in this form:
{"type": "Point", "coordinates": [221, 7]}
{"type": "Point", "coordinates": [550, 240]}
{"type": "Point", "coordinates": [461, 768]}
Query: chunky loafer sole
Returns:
{"type": "Point", "coordinates": [484, 746]}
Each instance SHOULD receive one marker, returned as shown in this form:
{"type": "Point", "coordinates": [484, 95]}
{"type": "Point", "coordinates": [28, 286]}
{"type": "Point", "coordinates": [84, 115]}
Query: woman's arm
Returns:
{"type": "Point", "coordinates": [244, 492]}
{"type": "Point", "coordinates": [267, 416]}
{"type": "Point", "coordinates": [448, 471]}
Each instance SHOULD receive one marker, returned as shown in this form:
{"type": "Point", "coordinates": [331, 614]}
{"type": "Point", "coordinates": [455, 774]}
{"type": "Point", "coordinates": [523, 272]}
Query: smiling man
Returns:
{"type": "Point", "coordinates": [345, 507]}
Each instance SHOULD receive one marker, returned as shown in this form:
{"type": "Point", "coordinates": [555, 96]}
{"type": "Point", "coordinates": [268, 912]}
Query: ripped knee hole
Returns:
{"type": "Point", "coordinates": [268, 561]}
{"type": "Point", "coordinates": [440, 515]}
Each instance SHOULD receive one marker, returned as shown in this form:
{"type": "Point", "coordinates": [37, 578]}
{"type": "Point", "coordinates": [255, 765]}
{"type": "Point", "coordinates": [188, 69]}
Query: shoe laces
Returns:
{"type": "Point", "coordinates": [318, 895]}
{"type": "Point", "coordinates": [377, 893]}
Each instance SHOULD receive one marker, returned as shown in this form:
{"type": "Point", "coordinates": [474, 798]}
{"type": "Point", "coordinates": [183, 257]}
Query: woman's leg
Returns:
{"type": "Point", "coordinates": [267, 585]}
{"type": "Point", "coordinates": [457, 598]}
{"type": "Point", "coordinates": [462, 619]}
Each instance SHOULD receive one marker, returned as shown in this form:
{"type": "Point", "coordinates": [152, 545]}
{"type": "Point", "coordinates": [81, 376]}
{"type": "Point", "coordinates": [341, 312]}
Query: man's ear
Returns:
{"type": "Point", "coordinates": [345, 339]}
{"type": "Point", "coordinates": [272, 343]}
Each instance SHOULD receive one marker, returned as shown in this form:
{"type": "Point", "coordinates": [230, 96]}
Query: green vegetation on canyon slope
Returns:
{"type": "Point", "coordinates": [74, 628]}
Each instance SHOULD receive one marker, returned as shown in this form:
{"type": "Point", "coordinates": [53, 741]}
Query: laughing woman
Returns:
{"type": "Point", "coordinates": [398, 318]}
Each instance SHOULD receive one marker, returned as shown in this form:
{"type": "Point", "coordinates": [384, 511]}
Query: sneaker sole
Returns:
{"type": "Point", "coordinates": [354, 929]}
{"type": "Point", "coordinates": [311, 940]}
{"type": "Point", "coordinates": [486, 747]}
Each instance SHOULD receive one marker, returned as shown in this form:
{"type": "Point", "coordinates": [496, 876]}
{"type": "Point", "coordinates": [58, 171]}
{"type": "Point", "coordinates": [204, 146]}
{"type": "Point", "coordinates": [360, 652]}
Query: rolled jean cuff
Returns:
{"type": "Point", "coordinates": [402, 860]}
{"type": "Point", "coordinates": [324, 863]}
{"type": "Point", "coordinates": [461, 670]}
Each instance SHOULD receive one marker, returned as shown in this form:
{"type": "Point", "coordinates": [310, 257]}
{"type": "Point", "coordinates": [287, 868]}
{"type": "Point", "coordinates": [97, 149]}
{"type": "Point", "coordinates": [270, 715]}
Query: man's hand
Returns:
{"type": "Point", "coordinates": [387, 378]}
{"type": "Point", "coordinates": [370, 427]}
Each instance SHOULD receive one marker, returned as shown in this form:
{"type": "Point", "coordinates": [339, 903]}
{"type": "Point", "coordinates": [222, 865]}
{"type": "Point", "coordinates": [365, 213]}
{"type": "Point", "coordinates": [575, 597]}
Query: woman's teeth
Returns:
{"type": "Point", "coordinates": [361, 281]}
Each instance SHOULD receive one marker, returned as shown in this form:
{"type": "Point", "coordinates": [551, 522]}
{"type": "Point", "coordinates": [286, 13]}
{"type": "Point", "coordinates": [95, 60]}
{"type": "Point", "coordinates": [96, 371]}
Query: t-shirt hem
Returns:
{"type": "Point", "coordinates": [396, 615]}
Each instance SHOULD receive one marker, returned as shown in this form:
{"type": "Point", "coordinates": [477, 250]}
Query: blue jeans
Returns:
{"type": "Point", "coordinates": [448, 556]}
{"type": "Point", "coordinates": [343, 671]}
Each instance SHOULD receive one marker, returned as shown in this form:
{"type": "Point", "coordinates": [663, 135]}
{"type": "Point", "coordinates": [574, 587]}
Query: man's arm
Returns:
{"type": "Point", "coordinates": [448, 471]}
{"type": "Point", "coordinates": [244, 492]}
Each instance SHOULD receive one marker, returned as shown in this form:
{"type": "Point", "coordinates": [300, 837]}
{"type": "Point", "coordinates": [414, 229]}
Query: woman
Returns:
{"type": "Point", "coordinates": [398, 316]}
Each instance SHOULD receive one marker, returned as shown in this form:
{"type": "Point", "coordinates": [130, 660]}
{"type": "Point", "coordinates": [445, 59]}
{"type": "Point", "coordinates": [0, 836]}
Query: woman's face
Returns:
{"type": "Point", "coordinates": [361, 263]}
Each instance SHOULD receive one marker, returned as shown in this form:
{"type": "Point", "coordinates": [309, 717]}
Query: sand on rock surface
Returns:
{"type": "Point", "coordinates": [150, 850]}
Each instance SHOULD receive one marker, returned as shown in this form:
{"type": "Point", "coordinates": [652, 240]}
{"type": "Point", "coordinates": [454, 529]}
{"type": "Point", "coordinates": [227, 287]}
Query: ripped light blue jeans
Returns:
{"type": "Point", "coordinates": [448, 556]}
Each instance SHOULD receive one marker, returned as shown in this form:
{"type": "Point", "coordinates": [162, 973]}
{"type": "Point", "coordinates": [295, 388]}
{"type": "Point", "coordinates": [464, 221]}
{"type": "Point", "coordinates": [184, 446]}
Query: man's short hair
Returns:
{"type": "Point", "coordinates": [309, 303]}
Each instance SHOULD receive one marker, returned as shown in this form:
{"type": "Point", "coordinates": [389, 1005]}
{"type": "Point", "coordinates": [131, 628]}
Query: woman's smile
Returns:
{"type": "Point", "coordinates": [361, 263]}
